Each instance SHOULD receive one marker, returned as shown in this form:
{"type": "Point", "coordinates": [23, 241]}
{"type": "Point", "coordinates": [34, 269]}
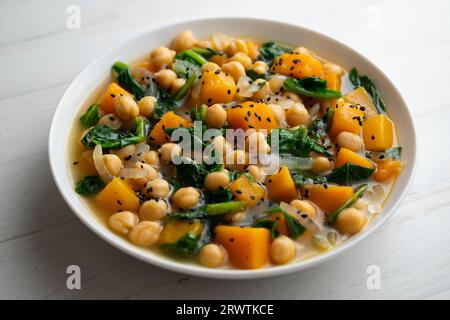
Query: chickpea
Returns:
{"type": "Point", "coordinates": [221, 145]}
{"type": "Point", "coordinates": [234, 69]}
{"type": "Point", "coordinates": [153, 210]}
{"type": "Point", "coordinates": [186, 198]}
{"type": "Point", "coordinates": [305, 207]}
{"type": "Point", "coordinates": [123, 222]}
{"type": "Point", "coordinates": [165, 78]}
{"type": "Point", "coordinates": [292, 96]}
{"type": "Point", "coordinates": [184, 41]}
{"type": "Point", "coordinates": [167, 151]}
{"type": "Point", "coordinates": [216, 116]}
{"type": "Point", "coordinates": [361, 204]}
{"type": "Point", "coordinates": [162, 57]}
{"type": "Point", "coordinates": [297, 115]}
{"type": "Point", "coordinates": [255, 172]}
{"type": "Point", "coordinates": [211, 255]}
{"type": "Point", "coordinates": [147, 106]}
{"type": "Point", "coordinates": [152, 174]}
{"type": "Point", "coordinates": [236, 217]}
{"type": "Point", "coordinates": [279, 112]}
{"type": "Point", "coordinates": [112, 163]}
{"type": "Point", "coordinates": [235, 46]}
{"type": "Point", "coordinates": [236, 160]}
{"type": "Point", "coordinates": [256, 143]}
{"type": "Point", "coordinates": [152, 158]}
{"type": "Point", "coordinates": [215, 181]}
{"type": "Point", "coordinates": [263, 91]}
{"type": "Point", "coordinates": [260, 67]}
{"type": "Point", "coordinates": [349, 140]}
{"type": "Point", "coordinates": [333, 68]}
{"type": "Point", "coordinates": [110, 120]}
{"type": "Point", "coordinates": [126, 108]}
{"type": "Point", "coordinates": [276, 83]}
{"type": "Point", "coordinates": [177, 84]}
{"type": "Point", "coordinates": [350, 221]}
{"type": "Point", "coordinates": [157, 188]}
{"type": "Point", "coordinates": [321, 164]}
{"type": "Point", "coordinates": [243, 58]}
{"type": "Point", "coordinates": [282, 250]}
{"type": "Point", "coordinates": [210, 67]}
{"type": "Point", "coordinates": [145, 233]}
{"type": "Point", "coordinates": [127, 152]}
{"type": "Point", "coordinates": [302, 50]}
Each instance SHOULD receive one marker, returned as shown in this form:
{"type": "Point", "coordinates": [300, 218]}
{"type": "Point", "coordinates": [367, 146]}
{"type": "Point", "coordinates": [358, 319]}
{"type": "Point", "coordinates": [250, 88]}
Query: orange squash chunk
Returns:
{"type": "Point", "coordinates": [346, 117]}
{"type": "Point", "coordinates": [297, 65]}
{"type": "Point", "coordinates": [118, 195]}
{"type": "Point", "coordinates": [247, 248]}
{"type": "Point", "coordinates": [378, 133]}
{"type": "Point", "coordinates": [387, 169]}
{"type": "Point", "coordinates": [168, 120]}
{"type": "Point", "coordinates": [361, 97]}
{"type": "Point", "coordinates": [217, 87]}
{"type": "Point", "coordinates": [347, 156]}
{"type": "Point", "coordinates": [328, 199]}
{"type": "Point", "coordinates": [247, 191]}
{"type": "Point", "coordinates": [176, 229]}
{"type": "Point", "coordinates": [251, 115]}
{"type": "Point", "coordinates": [253, 49]}
{"type": "Point", "coordinates": [333, 81]}
{"type": "Point", "coordinates": [280, 186]}
{"type": "Point", "coordinates": [107, 101]}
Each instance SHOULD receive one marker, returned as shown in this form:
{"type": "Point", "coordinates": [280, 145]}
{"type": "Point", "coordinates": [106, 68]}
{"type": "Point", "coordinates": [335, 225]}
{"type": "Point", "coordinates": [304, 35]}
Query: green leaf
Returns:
{"type": "Point", "coordinates": [369, 85]}
{"type": "Point", "coordinates": [165, 104]}
{"type": "Point", "coordinates": [359, 192]}
{"type": "Point", "coordinates": [268, 224]}
{"type": "Point", "coordinates": [181, 93]}
{"type": "Point", "coordinates": [303, 178]}
{"type": "Point", "coordinates": [199, 114]}
{"type": "Point", "coordinates": [350, 173]}
{"type": "Point", "coordinates": [224, 208]}
{"type": "Point", "coordinates": [311, 87]}
{"type": "Point", "coordinates": [252, 74]}
{"type": "Point", "coordinates": [270, 50]}
{"type": "Point", "coordinates": [192, 56]}
{"type": "Point", "coordinates": [91, 116]}
{"type": "Point", "coordinates": [294, 227]}
{"type": "Point", "coordinates": [207, 53]}
{"type": "Point", "coordinates": [88, 185]}
{"type": "Point", "coordinates": [185, 69]}
{"type": "Point", "coordinates": [190, 172]}
{"type": "Point", "coordinates": [392, 153]}
{"type": "Point", "coordinates": [198, 213]}
{"type": "Point", "coordinates": [127, 81]}
{"type": "Point", "coordinates": [223, 195]}
{"type": "Point", "coordinates": [187, 245]}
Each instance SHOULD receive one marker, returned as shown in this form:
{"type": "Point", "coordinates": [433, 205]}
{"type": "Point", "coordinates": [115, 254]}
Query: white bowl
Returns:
{"type": "Point", "coordinates": [100, 70]}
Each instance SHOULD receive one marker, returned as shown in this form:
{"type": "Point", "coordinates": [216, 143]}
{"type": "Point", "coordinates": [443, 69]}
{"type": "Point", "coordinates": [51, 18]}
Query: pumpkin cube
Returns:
{"type": "Point", "coordinates": [217, 87]}
{"type": "Point", "coordinates": [327, 198]}
{"type": "Point", "coordinates": [168, 120]}
{"type": "Point", "coordinates": [347, 156]}
{"type": "Point", "coordinates": [280, 186]}
{"type": "Point", "coordinates": [107, 101]}
{"type": "Point", "coordinates": [347, 117]}
{"type": "Point", "coordinates": [378, 133]}
{"type": "Point", "coordinates": [251, 115]}
{"type": "Point", "coordinates": [118, 195]}
{"type": "Point", "coordinates": [297, 65]}
{"type": "Point", "coordinates": [247, 191]}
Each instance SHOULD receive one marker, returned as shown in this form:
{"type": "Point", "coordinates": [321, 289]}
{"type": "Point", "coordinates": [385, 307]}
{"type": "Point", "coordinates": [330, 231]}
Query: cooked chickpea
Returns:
{"type": "Point", "coordinates": [234, 69]}
{"type": "Point", "coordinates": [127, 152]}
{"type": "Point", "coordinates": [162, 57]}
{"type": "Point", "coordinates": [236, 160]}
{"type": "Point", "coordinates": [321, 164]}
{"type": "Point", "coordinates": [212, 255]}
{"type": "Point", "coordinates": [282, 250]}
{"type": "Point", "coordinates": [153, 210]}
{"type": "Point", "coordinates": [112, 163]}
{"type": "Point", "coordinates": [260, 67]}
{"type": "Point", "coordinates": [145, 233]}
{"type": "Point", "coordinates": [126, 108]}
{"type": "Point", "coordinates": [122, 222]}
{"type": "Point", "coordinates": [147, 106]}
{"type": "Point", "coordinates": [292, 96]}
{"type": "Point", "coordinates": [305, 207]}
{"type": "Point", "coordinates": [333, 68]}
{"type": "Point", "coordinates": [297, 115]}
{"type": "Point", "coordinates": [167, 151]}
{"type": "Point", "coordinates": [276, 83]}
{"type": "Point", "coordinates": [165, 78]}
{"type": "Point", "coordinates": [184, 41]}
{"type": "Point", "coordinates": [210, 67]}
{"type": "Point", "coordinates": [362, 205]}
{"type": "Point", "coordinates": [349, 140]}
{"type": "Point", "coordinates": [302, 50]}
{"type": "Point", "coordinates": [152, 174]}
{"type": "Point", "coordinates": [236, 217]}
{"type": "Point", "coordinates": [216, 116]}
{"type": "Point", "coordinates": [279, 112]}
{"type": "Point", "coordinates": [255, 172]}
{"type": "Point", "coordinates": [235, 46]}
{"type": "Point", "coordinates": [215, 181]}
{"type": "Point", "coordinates": [110, 120]}
{"type": "Point", "coordinates": [177, 84]}
{"type": "Point", "coordinates": [186, 198]}
{"type": "Point", "coordinates": [157, 188]}
{"type": "Point", "coordinates": [243, 59]}
{"type": "Point", "coordinates": [256, 143]}
{"type": "Point", "coordinates": [263, 91]}
{"type": "Point", "coordinates": [151, 158]}
{"type": "Point", "coordinates": [350, 221]}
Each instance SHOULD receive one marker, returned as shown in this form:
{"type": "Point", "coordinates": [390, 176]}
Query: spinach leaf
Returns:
{"type": "Point", "coordinates": [108, 138]}
{"type": "Point", "coordinates": [297, 142]}
{"type": "Point", "coordinates": [91, 116]}
{"type": "Point", "coordinates": [254, 75]}
{"type": "Point", "coordinates": [233, 174]}
{"type": "Point", "coordinates": [223, 195]}
{"type": "Point", "coordinates": [350, 202]}
{"type": "Point", "coordinates": [270, 50]}
{"type": "Point", "coordinates": [191, 56]}
{"type": "Point", "coordinates": [181, 93]}
{"type": "Point", "coordinates": [199, 114]}
{"type": "Point", "coordinates": [268, 224]}
{"type": "Point", "coordinates": [190, 172]}
{"type": "Point", "coordinates": [294, 227]}
{"type": "Point", "coordinates": [350, 173]}
{"type": "Point", "coordinates": [318, 129]}
{"type": "Point", "coordinates": [214, 209]}
{"type": "Point", "coordinates": [185, 69]}
{"type": "Point", "coordinates": [127, 81]}
{"type": "Point", "coordinates": [311, 87]}
{"type": "Point", "coordinates": [165, 104]}
{"type": "Point", "coordinates": [207, 53]}
{"type": "Point", "coordinates": [366, 83]}
{"type": "Point", "coordinates": [187, 245]}
{"type": "Point", "coordinates": [392, 153]}
{"type": "Point", "coordinates": [195, 138]}
{"type": "Point", "coordinates": [198, 213]}
{"type": "Point", "coordinates": [301, 178]}
{"type": "Point", "coordinates": [88, 185]}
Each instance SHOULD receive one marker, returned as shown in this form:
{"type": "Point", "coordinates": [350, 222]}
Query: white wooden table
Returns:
{"type": "Point", "coordinates": [40, 236]}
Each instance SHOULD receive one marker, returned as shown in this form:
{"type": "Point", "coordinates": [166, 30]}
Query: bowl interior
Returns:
{"type": "Point", "coordinates": [100, 70]}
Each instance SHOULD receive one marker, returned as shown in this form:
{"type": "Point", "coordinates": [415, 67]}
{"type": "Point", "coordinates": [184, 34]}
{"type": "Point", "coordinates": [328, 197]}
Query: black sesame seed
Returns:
{"type": "Point", "coordinates": [113, 95]}
{"type": "Point", "coordinates": [76, 162]}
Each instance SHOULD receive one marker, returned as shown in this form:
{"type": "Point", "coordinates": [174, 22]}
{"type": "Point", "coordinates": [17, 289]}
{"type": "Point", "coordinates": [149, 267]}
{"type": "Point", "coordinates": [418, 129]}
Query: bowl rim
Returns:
{"type": "Point", "coordinates": [201, 271]}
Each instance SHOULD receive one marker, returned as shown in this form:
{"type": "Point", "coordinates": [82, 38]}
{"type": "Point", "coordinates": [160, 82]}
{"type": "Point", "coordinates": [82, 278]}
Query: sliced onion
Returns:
{"type": "Point", "coordinates": [295, 163]}
{"type": "Point", "coordinates": [115, 123]}
{"type": "Point", "coordinates": [314, 110]}
{"type": "Point", "coordinates": [195, 93]}
{"type": "Point", "coordinates": [247, 87]}
{"type": "Point", "coordinates": [134, 173]}
{"type": "Point", "coordinates": [103, 172]}
{"type": "Point", "coordinates": [309, 223]}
